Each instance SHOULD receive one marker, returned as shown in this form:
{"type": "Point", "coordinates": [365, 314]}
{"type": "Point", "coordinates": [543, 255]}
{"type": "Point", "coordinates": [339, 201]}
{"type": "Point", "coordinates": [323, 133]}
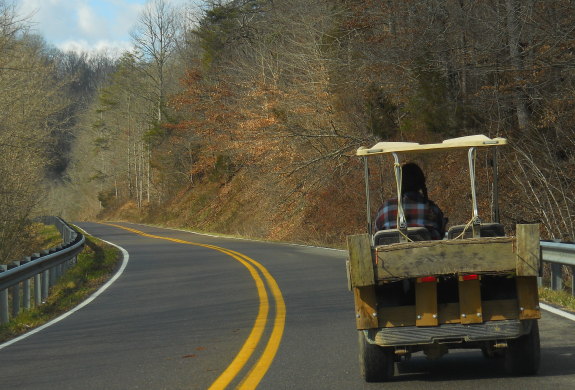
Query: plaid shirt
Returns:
{"type": "Point", "coordinates": [417, 211]}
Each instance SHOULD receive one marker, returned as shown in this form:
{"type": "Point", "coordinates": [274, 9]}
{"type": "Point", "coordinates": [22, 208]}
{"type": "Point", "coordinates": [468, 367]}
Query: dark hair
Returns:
{"type": "Point", "coordinates": [413, 179]}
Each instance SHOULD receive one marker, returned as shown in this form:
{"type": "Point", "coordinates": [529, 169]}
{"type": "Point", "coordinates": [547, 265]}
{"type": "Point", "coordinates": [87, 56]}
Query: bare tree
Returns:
{"type": "Point", "coordinates": [155, 38]}
{"type": "Point", "coordinates": [31, 103]}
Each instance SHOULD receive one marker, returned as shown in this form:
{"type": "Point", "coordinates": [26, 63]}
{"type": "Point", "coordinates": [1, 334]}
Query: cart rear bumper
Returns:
{"type": "Point", "coordinates": [448, 333]}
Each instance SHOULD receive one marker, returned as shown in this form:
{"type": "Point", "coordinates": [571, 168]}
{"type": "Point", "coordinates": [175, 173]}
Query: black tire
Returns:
{"type": "Point", "coordinates": [523, 353]}
{"type": "Point", "coordinates": [377, 364]}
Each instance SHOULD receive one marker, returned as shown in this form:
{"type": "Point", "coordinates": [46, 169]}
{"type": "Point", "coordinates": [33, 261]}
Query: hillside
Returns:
{"type": "Point", "coordinates": [242, 116]}
{"type": "Point", "coordinates": [257, 133]}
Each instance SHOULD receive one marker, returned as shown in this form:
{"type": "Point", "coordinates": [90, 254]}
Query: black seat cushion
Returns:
{"type": "Point", "coordinates": [486, 230]}
{"type": "Point", "coordinates": [391, 236]}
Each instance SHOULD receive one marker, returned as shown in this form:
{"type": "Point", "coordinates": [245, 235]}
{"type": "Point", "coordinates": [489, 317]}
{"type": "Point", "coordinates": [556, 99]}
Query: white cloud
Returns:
{"type": "Point", "coordinates": [86, 25]}
{"type": "Point", "coordinates": [83, 24]}
{"type": "Point", "coordinates": [110, 48]}
{"type": "Point", "coordinates": [87, 19]}
{"type": "Point", "coordinates": [51, 18]}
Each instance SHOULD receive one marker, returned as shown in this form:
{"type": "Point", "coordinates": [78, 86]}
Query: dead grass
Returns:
{"type": "Point", "coordinates": [558, 298]}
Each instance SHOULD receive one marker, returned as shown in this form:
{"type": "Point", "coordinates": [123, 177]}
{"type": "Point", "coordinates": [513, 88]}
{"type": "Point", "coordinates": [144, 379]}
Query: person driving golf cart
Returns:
{"type": "Point", "coordinates": [419, 210]}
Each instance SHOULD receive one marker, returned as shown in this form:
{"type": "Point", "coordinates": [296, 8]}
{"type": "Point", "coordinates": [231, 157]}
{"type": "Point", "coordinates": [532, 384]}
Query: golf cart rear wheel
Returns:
{"type": "Point", "coordinates": [523, 353]}
{"type": "Point", "coordinates": [377, 364]}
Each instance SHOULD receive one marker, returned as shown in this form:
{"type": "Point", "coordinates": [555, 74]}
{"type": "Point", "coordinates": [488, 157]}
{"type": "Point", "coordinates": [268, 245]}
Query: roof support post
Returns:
{"type": "Point", "coordinates": [401, 221]}
{"type": "Point", "coordinates": [495, 187]}
{"type": "Point", "coordinates": [471, 155]}
{"type": "Point", "coordinates": [367, 195]}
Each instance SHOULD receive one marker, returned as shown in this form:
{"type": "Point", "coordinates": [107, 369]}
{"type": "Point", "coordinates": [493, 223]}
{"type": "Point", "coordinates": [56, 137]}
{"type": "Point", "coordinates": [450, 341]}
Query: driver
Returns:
{"type": "Point", "coordinates": [418, 209]}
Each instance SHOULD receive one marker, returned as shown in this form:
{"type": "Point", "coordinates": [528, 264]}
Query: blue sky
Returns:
{"type": "Point", "coordinates": [85, 25]}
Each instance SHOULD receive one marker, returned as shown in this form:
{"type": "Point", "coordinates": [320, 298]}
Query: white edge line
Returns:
{"type": "Point", "coordinates": [561, 313]}
{"type": "Point", "coordinates": [126, 258]}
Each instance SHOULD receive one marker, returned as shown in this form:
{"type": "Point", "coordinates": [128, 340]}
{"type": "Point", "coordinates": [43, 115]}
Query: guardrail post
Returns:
{"type": "Point", "coordinates": [37, 290]}
{"type": "Point", "coordinates": [556, 276]}
{"type": "Point", "coordinates": [573, 280]}
{"type": "Point", "coordinates": [53, 275]}
{"type": "Point", "coordinates": [15, 292]}
{"type": "Point", "coordinates": [45, 284]}
{"type": "Point", "coordinates": [4, 318]}
{"type": "Point", "coordinates": [37, 283]}
{"type": "Point", "coordinates": [26, 288]}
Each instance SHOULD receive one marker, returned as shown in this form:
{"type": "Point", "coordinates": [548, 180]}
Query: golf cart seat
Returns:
{"type": "Point", "coordinates": [391, 236]}
{"type": "Point", "coordinates": [486, 230]}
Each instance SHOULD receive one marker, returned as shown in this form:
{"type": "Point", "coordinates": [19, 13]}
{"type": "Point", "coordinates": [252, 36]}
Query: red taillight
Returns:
{"type": "Point", "coordinates": [470, 277]}
{"type": "Point", "coordinates": [427, 279]}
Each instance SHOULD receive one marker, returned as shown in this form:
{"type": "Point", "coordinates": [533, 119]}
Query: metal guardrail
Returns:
{"type": "Point", "coordinates": [559, 254]}
{"type": "Point", "coordinates": [38, 272]}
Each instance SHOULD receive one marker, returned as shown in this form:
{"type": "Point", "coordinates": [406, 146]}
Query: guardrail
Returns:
{"type": "Point", "coordinates": [559, 254]}
{"type": "Point", "coordinates": [38, 272]}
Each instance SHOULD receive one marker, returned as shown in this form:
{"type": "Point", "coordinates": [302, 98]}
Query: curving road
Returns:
{"type": "Point", "coordinates": [198, 312]}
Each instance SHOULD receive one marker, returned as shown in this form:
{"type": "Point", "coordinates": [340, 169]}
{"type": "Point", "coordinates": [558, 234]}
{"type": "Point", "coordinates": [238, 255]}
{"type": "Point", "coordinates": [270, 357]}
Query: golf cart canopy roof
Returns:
{"type": "Point", "coordinates": [453, 143]}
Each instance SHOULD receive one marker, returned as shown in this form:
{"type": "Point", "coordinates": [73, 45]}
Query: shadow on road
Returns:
{"type": "Point", "coordinates": [471, 365]}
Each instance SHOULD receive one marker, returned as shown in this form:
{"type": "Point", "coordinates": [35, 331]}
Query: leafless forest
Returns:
{"type": "Point", "coordinates": [243, 116]}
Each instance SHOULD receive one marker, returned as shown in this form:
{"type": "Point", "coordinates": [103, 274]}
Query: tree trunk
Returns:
{"type": "Point", "coordinates": [515, 51]}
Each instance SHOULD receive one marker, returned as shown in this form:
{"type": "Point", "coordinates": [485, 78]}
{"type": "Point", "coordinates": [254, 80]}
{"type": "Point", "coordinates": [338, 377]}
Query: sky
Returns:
{"type": "Point", "coordinates": [85, 25]}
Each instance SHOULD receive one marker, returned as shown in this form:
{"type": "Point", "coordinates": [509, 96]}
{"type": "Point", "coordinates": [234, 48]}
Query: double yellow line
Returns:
{"type": "Point", "coordinates": [258, 370]}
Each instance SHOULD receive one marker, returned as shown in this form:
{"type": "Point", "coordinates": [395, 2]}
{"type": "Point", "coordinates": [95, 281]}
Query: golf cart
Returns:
{"type": "Point", "coordinates": [476, 288]}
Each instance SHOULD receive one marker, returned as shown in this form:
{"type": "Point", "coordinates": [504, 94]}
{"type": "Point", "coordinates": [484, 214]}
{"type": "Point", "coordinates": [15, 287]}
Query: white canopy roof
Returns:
{"type": "Point", "coordinates": [453, 143]}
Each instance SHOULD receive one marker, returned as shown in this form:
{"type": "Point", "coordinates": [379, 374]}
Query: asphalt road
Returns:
{"type": "Point", "coordinates": [181, 315]}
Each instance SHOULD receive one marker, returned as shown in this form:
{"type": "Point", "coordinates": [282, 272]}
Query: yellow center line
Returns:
{"type": "Point", "coordinates": [255, 335]}
{"type": "Point", "coordinates": [257, 372]}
